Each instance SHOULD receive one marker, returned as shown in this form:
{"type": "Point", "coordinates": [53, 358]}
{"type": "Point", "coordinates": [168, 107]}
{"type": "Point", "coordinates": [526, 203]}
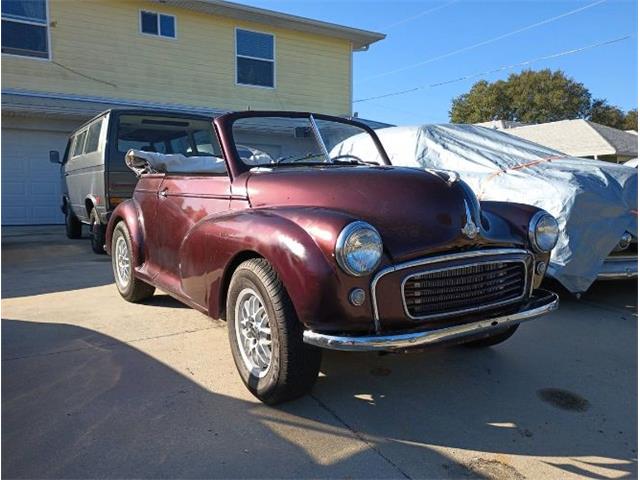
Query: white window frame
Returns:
{"type": "Point", "coordinates": [75, 140]}
{"type": "Point", "coordinates": [236, 55]}
{"type": "Point", "coordinates": [38, 24]}
{"type": "Point", "coordinates": [158, 35]}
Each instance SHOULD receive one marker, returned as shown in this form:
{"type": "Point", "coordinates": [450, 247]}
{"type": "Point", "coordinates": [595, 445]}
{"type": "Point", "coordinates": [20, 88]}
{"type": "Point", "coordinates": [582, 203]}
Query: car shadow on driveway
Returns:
{"type": "Point", "coordinates": [93, 406]}
{"type": "Point", "coordinates": [164, 300]}
{"type": "Point", "coordinates": [97, 407]}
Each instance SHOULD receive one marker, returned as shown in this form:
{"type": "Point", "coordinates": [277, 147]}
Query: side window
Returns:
{"type": "Point", "coordinates": [79, 144]}
{"type": "Point", "coordinates": [25, 28]}
{"type": "Point", "coordinates": [160, 24]}
{"type": "Point", "coordinates": [255, 59]}
{"type": "Point", "coordinates": [93, 137]}
{"type": "Point", "coordinates": [204, 141]}
{"type": "Point", "coordinates": [180, 145]}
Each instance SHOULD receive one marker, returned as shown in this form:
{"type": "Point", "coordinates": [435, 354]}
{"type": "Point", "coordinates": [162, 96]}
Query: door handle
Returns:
{"type": "Point", "coordinates": [163, 193]}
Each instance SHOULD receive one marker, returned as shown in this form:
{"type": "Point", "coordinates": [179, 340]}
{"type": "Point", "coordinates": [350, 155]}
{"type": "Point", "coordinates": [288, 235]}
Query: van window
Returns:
{"type": "Point", "coordinates": [204, 141]}
{"type": "Point", "coordinates": [79, 144]}
{"type": "Point", "coordinates": [93, 137]}
{"type": "Point", "coordinates": [187, 136]}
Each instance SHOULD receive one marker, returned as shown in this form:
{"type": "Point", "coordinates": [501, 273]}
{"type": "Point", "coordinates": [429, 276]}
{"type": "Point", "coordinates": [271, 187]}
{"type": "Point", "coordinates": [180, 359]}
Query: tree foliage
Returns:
{"type": "Point", "coordinates": [631, 120]}
{"type": "Point", "coordinates": [536, 97]}
{"type": "Point", "coordinates": [605, 114]}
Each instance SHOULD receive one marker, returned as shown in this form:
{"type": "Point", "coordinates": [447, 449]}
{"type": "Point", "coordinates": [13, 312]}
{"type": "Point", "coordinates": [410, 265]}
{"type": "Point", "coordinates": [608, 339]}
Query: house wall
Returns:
{"type": "Point", "coordinates": [97, 51]}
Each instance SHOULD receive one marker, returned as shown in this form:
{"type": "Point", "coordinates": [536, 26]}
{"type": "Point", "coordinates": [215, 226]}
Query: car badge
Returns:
{"type": "Point", "coordinates": [470, 230]}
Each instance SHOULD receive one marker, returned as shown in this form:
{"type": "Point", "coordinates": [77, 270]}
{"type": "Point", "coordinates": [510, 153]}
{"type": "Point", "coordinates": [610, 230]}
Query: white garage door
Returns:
{"type": "Point", "coordinates": [30, 183]}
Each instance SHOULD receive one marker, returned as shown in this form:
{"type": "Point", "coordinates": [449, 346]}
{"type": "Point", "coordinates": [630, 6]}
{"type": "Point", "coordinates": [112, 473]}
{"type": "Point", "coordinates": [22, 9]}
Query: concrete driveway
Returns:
{"type": "Point", "coordinates": [95, 387]}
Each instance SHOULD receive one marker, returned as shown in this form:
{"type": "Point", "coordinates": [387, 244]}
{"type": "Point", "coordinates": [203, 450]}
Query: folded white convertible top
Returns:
{"type": "Point", "coordinates": [151, 162]}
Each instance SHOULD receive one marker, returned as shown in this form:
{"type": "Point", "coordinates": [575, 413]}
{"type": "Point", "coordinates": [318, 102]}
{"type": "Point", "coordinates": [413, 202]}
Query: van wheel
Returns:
{"type": "Point", "coordinates": [96, 230]}
{"type": "Point", "coordinates": [265, 336]}
{"type": "Point", "coordinates": [131, 288]}
{"type": "Point", "coordinates": [494, 339]}
{"type": "Point", "coordinates": [72, 225]}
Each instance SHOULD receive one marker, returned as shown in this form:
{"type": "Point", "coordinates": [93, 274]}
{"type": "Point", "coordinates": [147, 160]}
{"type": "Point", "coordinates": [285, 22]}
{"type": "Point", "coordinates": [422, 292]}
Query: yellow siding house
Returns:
{"type": "Point", "coordinates": [63, 61]}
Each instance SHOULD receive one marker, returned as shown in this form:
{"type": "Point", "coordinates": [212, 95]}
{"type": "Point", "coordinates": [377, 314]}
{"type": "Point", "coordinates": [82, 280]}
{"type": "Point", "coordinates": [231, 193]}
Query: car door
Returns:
{"type": "Point", "coordinates": [183, 201]}
{"type": "Point", "coordinates": [146, 195]}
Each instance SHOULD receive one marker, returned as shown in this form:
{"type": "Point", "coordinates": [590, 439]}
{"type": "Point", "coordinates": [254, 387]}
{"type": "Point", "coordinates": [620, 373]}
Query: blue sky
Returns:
{"type": "Point", "coordinates": [609, 71]}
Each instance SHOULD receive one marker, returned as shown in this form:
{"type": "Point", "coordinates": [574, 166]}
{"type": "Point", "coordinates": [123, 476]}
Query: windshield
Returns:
{"type": "Point", "coordinates": [273, 140]}
{"type": "Point", "coordinates": [189, 137]}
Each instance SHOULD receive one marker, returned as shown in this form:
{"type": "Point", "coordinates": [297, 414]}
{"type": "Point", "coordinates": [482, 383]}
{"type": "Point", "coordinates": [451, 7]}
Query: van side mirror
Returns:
{"type": "Point", "coordinates": [54, 156]}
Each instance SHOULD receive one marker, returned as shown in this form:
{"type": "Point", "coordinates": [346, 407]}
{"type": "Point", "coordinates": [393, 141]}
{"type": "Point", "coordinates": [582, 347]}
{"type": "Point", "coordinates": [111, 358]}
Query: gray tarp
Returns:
{"type": "Point", "coordinates": [595, 202]}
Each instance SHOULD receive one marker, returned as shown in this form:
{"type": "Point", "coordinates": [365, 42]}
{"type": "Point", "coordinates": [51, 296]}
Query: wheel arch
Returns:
{"type": "Point", "coordinates": [212, 252]}
{"type": "Point", "coordinates": [89, 204]}
{"type": "Point", "coordinates": [127, 212]}
{"type": "Point", "coordinates": [232, 266]}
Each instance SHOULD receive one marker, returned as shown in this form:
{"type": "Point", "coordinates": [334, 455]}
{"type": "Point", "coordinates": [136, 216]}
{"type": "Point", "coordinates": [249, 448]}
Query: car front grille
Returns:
{"type": "Point", "coordinates": [464, 288]}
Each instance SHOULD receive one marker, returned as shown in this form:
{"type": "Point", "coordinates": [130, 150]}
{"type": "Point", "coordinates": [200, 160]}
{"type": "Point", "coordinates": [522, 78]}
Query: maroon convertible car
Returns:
{"type": "Point", "coordinates": [257, 223]}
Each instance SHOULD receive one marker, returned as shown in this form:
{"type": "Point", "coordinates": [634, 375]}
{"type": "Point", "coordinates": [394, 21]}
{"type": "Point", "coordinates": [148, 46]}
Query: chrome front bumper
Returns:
{"type": "Point", "coordinates": [619, 268]}
{"type": "Point", "coordinates": [541, 303]}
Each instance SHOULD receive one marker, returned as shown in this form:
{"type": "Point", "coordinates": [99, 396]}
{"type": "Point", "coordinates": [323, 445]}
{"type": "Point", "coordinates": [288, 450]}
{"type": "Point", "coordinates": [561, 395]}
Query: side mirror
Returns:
{"type": "Point", "coordinates": [54, 156]}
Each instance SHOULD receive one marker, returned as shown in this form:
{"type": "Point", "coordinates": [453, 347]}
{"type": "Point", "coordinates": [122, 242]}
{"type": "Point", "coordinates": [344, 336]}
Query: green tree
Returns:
{"type": "Point", "coordinates": [529, 97]}
{"type": "Point", "coordinates": [486, 101]}
{"type": "Point", "coordinates": [631, 120]}
{"type": "Point", "coordinates": [603, 113]}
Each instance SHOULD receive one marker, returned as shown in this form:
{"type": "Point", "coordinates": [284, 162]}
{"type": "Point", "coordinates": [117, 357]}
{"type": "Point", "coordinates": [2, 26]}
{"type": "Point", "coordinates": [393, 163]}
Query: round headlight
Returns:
{"type": "Point", "coordinates": [543, 232]}
{"type": "Point", "coordinates": [624, 242]}
{"type": "Point", "coordinates": [359, 249]}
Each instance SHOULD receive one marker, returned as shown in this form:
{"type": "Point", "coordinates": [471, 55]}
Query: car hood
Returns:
{"type": "Point", "coordinates": [415, 211]}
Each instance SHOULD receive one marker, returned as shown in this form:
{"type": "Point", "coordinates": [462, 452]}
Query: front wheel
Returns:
{"type": "Point", "coordinates": [131, 288]}
{"type": "Point", "coordinates": [494, 339]}
{"type": "Point", "coordinates": [266, 336]}
{"type": "Point", "coordinates": [96, 230]}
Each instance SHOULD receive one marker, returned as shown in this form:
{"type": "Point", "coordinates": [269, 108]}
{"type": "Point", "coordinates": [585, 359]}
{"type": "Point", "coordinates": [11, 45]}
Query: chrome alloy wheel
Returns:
{"type": "Point", "coordinates": [123, 263]}
{"type": "Point", "coordinates": [253, 332]}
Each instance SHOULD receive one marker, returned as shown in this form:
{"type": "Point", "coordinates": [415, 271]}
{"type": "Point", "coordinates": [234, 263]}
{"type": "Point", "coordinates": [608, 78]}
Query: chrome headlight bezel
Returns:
{"type": "Point", "coordinates": [342, 244]}
{"type": "Point", "coordinates": [540, 245]}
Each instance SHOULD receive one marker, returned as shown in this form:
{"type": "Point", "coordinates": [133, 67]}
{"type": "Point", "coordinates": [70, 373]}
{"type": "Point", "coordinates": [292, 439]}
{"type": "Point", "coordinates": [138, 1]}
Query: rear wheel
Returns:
{"type": "Point", "coordinates": [96, 230]}
{"type": "Point", "coordinates": [494, 339]}
{"type": "Point", "coordinates": [73, 226]}
{"type": "Point", "coordinates": [131, 288]}
{"type": "Point", "coordinates": [266, 336]}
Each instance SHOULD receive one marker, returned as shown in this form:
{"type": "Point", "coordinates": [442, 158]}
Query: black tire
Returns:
{"type": "Point", "coordinates": [133, 290]}
{"type": "Point", "coordinates": [494, 339]}
{"type": "Point", "coordinates": [96, 230]}
{"type": "Point", "coordinates": [72, 225]}
{"type": "Point", "coordinates": [294, 365]}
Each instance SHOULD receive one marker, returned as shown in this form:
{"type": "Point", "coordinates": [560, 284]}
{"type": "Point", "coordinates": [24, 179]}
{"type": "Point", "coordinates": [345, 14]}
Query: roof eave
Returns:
{"type": "Point", "coordinates": [360, 39]}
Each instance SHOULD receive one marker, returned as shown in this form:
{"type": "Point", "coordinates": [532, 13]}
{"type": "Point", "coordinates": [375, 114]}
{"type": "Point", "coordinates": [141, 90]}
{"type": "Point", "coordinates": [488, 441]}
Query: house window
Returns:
{"type": "Point", "coordinates": [255, 58]}
{"type": "Point", "coordinates": [159, 24]}
{"type": "Point", "coordinates": [25, 28]}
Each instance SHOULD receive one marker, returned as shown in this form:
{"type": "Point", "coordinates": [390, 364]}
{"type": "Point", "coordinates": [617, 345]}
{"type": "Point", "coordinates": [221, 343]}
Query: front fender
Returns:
{"type": "Point", "coordinates": [517, 216]}
{"type": "Point", "coordinates": [293, 243]}
{"type": "Point", "coordinates": [128, 212]}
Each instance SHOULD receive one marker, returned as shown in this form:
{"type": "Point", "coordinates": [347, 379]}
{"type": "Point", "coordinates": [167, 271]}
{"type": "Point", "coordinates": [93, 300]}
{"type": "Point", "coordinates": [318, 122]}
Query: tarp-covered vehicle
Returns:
{"type": "Point", "coordinates": [595, 202]}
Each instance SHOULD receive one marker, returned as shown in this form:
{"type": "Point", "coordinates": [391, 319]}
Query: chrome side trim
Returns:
{"type": "Point", "coordinates": [617, 276]}
{"type": "Point", "coordinates": [478, 308]}
{"type": "Point", "coordinates": [619, 268]}
{"type": "Point", "coordinates": [549, 303]}
{"type": "Point", "coordinates": [426, 261]}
